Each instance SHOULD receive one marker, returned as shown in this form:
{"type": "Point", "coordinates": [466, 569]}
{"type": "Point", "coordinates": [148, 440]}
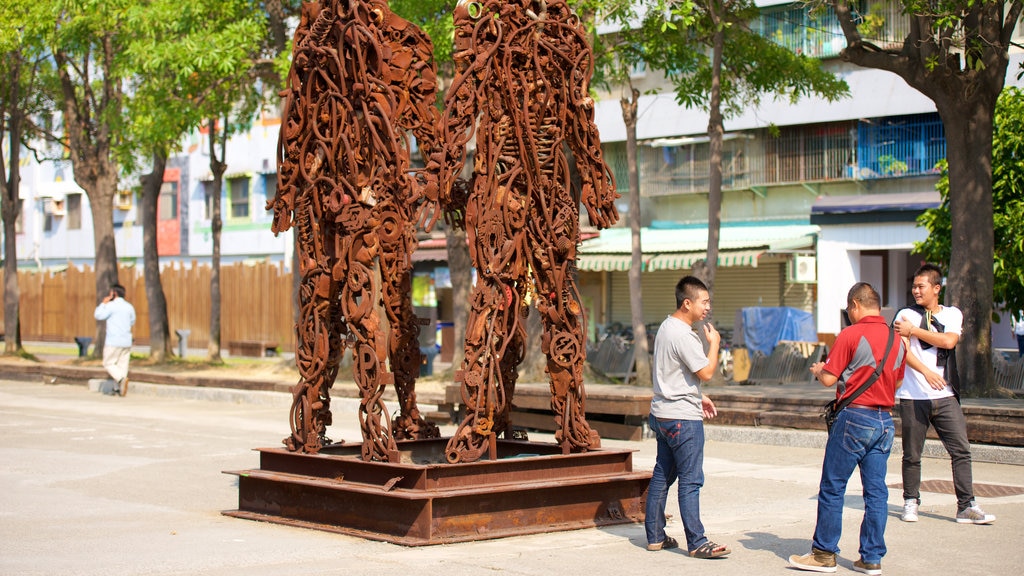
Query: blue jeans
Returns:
{"type": "Point", "coordinates": [680, 457]}
{"type": "Point", "coordinates": [860, 437]}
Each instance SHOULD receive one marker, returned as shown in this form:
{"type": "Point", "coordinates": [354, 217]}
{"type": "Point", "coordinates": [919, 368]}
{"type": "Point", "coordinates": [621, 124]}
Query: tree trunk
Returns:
{"type": "Point", "coordinates": [965, 88]}
{"type": "Point", "coordinates": [159, 328]}
{"type": "Point", "coordinates": [89, 145]}
{"type": "Point", "coordinates": [460, 268]}
{"type": "Point", "coordinates": [641, 351]}
{"type": "Point", "coordinates": [706, 270]}
{"type": "Point", "coordinates": [970, 278]}
{"type": "Point", "coordinates": [11, 183]}
{"type": "Point", "coordinates": [217, 167]}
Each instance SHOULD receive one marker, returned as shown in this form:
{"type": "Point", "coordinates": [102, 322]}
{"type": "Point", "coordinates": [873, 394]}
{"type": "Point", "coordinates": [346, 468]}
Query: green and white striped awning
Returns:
{"type": "Point", "coordinates": [678, 249]}
{"type": "Point", "coordinates": [671, 261]}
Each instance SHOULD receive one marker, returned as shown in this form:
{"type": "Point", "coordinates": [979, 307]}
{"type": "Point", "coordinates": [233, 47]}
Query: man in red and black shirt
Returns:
{"type": "Point", "coordinates": [861, 436]}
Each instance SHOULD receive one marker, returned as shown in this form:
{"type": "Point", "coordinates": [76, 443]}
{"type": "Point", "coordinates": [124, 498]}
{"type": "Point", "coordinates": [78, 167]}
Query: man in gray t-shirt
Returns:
{"type": "Point", "coordinates": [677, 412]}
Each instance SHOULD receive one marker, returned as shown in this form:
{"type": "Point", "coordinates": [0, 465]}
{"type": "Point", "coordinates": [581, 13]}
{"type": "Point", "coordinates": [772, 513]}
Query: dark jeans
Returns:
{"type": "Point", "coordinates": [1020, 345]}
{"type": "Point", "coordinates": [680, 457]}
{"type": "Point", "coordinates": [946, 416]}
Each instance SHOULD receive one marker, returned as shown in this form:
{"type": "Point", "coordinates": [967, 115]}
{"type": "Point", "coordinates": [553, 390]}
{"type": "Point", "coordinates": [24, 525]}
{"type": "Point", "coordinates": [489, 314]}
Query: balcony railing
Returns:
{"type": "Point", "coordinates": [854, 150]}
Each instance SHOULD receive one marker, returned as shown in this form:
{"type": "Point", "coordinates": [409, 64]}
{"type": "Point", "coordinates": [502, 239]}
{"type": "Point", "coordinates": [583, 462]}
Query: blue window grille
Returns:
{"type": "Point", "coordinates": [899, 146]}
{"type": "Point", "coordinates": [815, 33]}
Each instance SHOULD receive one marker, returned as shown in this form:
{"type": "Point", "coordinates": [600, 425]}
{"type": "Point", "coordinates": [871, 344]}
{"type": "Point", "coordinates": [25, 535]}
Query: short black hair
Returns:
{"type": "Point", "coordinates": [119, 290]}
{"type": "Point", "coordinates": [932, 272]}
{"type": "Point", "coordinates": [865, 294]}
{"type": "Point", "coordinates": [689, 288]}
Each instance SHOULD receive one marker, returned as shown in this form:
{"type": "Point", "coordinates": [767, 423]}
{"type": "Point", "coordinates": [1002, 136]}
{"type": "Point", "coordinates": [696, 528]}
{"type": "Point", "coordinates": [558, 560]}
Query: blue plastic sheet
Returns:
{"type": "Point", "coordinates": [765, 327]}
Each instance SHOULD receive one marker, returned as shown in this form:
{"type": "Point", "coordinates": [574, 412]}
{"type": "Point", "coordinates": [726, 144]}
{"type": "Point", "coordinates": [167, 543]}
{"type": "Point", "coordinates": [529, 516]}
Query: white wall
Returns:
{"type": "Point", "coordinates": [839, 263]}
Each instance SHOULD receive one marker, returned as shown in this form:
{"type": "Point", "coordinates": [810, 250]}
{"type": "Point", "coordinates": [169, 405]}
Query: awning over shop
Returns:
{"type": "Point", "coordinates": [873, 208]}
{"type": "Point", "coordinates": [679, 248]}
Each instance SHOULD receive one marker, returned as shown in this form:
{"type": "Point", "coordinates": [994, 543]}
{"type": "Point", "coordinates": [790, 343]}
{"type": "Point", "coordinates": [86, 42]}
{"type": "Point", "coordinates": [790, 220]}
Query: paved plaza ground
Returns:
{"type": "Point", "coordinates": [103, 485]}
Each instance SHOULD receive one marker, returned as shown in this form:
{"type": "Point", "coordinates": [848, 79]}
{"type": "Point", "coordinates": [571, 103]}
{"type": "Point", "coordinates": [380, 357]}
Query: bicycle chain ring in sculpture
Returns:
{"type": "Point", "coordinates": [523, 69]}
{"type": "Point", "coordinates": [361, 79]}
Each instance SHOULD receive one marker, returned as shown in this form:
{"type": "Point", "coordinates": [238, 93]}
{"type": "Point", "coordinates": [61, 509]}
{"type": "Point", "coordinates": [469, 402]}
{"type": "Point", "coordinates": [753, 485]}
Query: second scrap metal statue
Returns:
{"type": "Point", "coordinates": [362, 78]}
{"type": "Point", "coordinates": [523, 71]}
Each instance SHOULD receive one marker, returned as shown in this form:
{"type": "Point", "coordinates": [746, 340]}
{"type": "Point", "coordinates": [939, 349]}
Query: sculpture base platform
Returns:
{"type": "Point", "coordinates": [530, 488]}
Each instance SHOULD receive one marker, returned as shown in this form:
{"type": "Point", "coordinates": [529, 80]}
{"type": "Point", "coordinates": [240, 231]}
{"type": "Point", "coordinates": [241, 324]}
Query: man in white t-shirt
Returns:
{"type": "Point", "coordinates": [677, 412]}
{"type": "Point", "coordinates": [930, 395]}
{"type": "Point", "coordinates": [1017, 328]}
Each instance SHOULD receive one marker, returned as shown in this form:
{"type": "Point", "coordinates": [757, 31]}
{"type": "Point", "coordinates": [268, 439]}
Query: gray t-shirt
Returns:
{"type": "Point", "coordinates": [678, 354]}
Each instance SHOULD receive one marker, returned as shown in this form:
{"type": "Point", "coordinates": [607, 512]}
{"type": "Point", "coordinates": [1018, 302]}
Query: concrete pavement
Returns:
{"type": "Point", "coordinates": [95, 484]}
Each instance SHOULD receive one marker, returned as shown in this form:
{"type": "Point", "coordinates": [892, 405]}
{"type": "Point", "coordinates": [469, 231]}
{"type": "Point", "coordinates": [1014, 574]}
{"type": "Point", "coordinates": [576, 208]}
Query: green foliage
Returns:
{"type": "Point", "coordinates": [1007, 201]}
{"type": "Point", "coordinates": [25, 64]}
{"type": "Point", "coordinates": [890, 165]}
{"type": "Point", "coordinates": [873, 22]}
{"type": "Point", "coordinates": [753, 66]}
{"type": "Point", "coordinates": [434, 17]}
{"type": "Point", "coordinates": [190, 62]}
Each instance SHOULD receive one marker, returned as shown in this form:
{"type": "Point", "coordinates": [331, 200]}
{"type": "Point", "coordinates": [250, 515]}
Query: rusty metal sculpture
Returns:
{"type": "Point", "coordinates": [523, 69]}
{"type": "Point", "coordinates": [361, 79]}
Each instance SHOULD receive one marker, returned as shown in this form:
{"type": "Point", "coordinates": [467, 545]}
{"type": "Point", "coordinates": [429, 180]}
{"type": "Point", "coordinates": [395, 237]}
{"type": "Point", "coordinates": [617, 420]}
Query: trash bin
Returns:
{"type": "Point", "coordinates": [83, 345]}
{"type": "Point", "coordinates": [427, 365]}
{"type": "Point", "coordinates": [182, 341]}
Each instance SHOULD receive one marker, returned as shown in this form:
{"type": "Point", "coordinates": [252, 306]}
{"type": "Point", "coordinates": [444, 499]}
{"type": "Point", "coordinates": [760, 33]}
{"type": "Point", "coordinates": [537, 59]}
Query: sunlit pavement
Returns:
{"type": "Point", "coordinates": [95, 484]}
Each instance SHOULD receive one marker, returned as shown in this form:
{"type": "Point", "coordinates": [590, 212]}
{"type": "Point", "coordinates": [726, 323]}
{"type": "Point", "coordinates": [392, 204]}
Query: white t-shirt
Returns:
{"type": "Point", "coordinates": [678, 354]}
{"type": "Point", "coordinates": [915, 387]}
{"type": "Point", "coordinates": [1018, 325]}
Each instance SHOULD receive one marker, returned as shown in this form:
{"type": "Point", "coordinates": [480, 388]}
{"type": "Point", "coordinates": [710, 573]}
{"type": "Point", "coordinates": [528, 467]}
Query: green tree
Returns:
{"type": "Point", "coordinates": [191, 60]}
{"type": "Point", "coordinates": [25, 95]}
{"type": "Point", "coordinates": [720, 64]}
{"type": "Point", "coordinates": [1007, 202]}
{"type": "Point", "coordinates": [956, 53]}
{"type": "Point", "coordinates": [712, 60]}
{"type": "Point", "coordinates": [88, 46]}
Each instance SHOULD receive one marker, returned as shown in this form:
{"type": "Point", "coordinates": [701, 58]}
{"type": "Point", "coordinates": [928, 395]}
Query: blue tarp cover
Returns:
{"type": "Point", "coordinates": [764, 327]}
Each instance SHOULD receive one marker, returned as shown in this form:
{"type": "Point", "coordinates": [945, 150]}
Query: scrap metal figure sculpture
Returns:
{"type": "Point", "coordinates": [523, 69]}
{"type": "Point", "coordinates": [361, 79]}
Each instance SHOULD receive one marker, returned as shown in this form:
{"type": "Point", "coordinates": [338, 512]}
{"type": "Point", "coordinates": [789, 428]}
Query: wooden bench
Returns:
{"type": "Point", "coordinates": [614, 410]}
{"type": "Point", "coordinates": [256, 348]}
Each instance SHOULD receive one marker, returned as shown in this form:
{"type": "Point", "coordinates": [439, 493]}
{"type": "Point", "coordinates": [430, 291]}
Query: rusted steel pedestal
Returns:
{"type": "Point", "coordinates": [530, 488]}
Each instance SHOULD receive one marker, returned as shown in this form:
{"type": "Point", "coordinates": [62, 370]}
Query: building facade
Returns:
{"type": "Point", "coordinates": [816, 195]}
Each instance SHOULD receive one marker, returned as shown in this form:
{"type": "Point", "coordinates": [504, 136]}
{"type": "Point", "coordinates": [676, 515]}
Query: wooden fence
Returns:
{"type": "Point", "coordinates": [256, 303]}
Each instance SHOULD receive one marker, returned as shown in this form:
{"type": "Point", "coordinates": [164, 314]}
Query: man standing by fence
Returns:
{"type": "Point", "coordinates": [117, 347]}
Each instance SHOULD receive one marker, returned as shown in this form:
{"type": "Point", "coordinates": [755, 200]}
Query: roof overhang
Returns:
{"type": "Point", "coordinates": [57, 190]}
{"type": "Point", "coordinates": [679, 248]}
{"type": "Point", "coordinates": [873, 208]}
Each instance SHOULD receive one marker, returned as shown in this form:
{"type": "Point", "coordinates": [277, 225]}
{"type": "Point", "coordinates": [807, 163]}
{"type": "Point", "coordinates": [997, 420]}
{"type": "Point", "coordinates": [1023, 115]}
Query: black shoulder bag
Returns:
{"type": "Point", "coordinates": [833, 408]}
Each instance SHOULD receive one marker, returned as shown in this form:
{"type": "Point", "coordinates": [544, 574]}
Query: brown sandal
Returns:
{"type": "Point", "coordinates": [710, 550]}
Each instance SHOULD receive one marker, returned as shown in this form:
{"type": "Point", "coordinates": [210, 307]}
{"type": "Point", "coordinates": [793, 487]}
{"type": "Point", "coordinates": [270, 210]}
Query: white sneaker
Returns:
{"type": "Point", "coordinates": [909, 510]}
{"type": "Point", "coordinates": [974, 515]}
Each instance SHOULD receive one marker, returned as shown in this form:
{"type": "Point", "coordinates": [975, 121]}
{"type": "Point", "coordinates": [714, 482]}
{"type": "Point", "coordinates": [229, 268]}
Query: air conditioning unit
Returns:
{"type": "Point", "coordinates": [56, 207]}
{"type": "Point", "coordinates": [803, 269]}
{"type": "Point", "coordinates": [123, 200]}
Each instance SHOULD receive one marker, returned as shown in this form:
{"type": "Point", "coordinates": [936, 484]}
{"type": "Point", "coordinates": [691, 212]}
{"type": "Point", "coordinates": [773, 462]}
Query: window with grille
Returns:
{"type": "Point", "coordinates": [900, 145]}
